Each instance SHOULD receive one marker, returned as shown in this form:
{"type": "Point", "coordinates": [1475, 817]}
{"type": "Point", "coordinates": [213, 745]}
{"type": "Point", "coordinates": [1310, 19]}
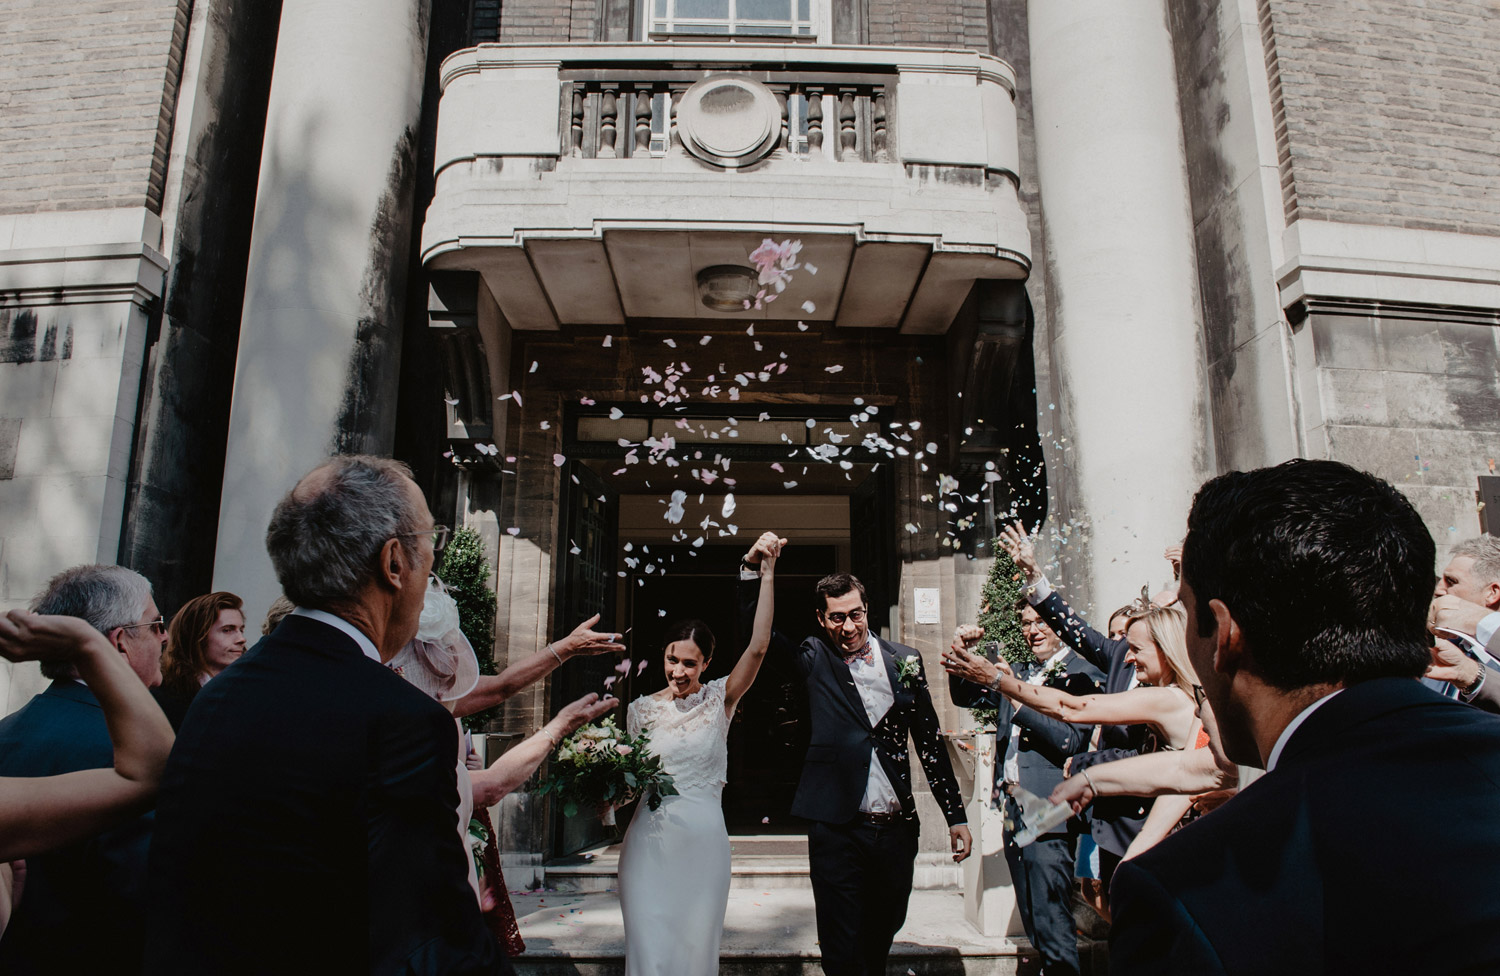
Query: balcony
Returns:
{"type": "Point", "coordinates": [591, 183]}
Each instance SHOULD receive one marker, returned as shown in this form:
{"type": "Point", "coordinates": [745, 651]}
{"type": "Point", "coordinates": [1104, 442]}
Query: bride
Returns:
{"type": "Point", "coordinates": [674, 870]}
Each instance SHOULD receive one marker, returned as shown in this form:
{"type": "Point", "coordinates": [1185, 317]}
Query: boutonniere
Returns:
{"type": "Point", "coordinates": [1057, 669]}
{"type": "Point", "coordinates": [907, 669]}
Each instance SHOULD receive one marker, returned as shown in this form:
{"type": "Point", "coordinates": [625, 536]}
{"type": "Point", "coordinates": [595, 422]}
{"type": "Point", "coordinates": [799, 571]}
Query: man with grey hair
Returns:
{"type": "Point", "coordinates": [1465, 617]}
{"type": "Point", "coordinates": [306, 819]}
{"type": "Point", "coordinates": [96, 886]}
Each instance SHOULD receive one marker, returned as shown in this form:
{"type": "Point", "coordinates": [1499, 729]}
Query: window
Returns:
{"type": "Point", "coordinates": [748, 17]}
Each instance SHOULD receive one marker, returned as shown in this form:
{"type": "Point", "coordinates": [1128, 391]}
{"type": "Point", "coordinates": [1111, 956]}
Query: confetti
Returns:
{"type": "Point", "coordinates": [450, 401]}
{"type": "Point", "coordinates": [533, 366]}
{"type": "Point", "coordinates": [558, 460]}
{"type": "Point", "coordinates": [514, 530]}
{"type": "Point", "coordinates": [833, 369]}
{"type": "Point", "coordinates": [609, 341]}
{"type": "Point", "coordinates": [809, 307]}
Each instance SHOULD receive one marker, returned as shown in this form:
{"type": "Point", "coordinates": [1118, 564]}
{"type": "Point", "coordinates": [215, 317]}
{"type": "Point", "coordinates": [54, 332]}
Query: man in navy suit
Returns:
{"type": "Point", "coordinates": [1307, 587]}
{"type": "Point", "coordinates": [856, 779]}
{"type": "Point", "coordinates": [1030, 750]}
{"type": "Point", "coordinates": [307, 820]}
{"type": "Point", "coordinates": [81, 911]}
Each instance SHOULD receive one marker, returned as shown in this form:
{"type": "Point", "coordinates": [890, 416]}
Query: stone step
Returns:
{"type": "Point", "coordinates": [766, 861]}
{"type": "Point", "coordinates": [768, 931]}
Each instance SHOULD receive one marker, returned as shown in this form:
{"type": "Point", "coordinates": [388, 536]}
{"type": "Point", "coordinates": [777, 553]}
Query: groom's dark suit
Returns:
{"type": "Point", "coordinates": [861, 872]}
{"type": "Point", "coordinates": [1370, 848]}
{"type": "Point", "coordinates": [308, 823]}
{"type": "Point", "coordinates": [1042, 872]}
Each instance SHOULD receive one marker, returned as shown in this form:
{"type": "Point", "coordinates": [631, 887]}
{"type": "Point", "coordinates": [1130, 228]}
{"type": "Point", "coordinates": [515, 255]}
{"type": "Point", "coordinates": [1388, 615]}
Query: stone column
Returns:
{"type": "Point", "coordinates": [320, 336]}
{"type": "Point", "coordinates": [1124, 309]}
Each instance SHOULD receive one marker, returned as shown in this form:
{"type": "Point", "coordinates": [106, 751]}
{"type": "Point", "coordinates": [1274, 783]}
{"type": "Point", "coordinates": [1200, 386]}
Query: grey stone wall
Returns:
{"type": "Point", "coordinates": [1416, 401]}
{"type": "Point", "coordinates": [1392, 111]}
{"type": "Point", "coordinates": [86, 96]}
{"type": "Point", "coordinates": [172, 500]}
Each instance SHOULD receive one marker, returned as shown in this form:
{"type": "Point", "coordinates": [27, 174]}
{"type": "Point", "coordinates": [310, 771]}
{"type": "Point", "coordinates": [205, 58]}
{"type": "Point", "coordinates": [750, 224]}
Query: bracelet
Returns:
{"type": "Point", "coordinates": [550, 737]}
{"type": "Point", "coordinates": [554, 653]}
{"type": "Point", "coordinates": [1467, 694]}
{"type": "Point", "coordinates": [1089, 780]}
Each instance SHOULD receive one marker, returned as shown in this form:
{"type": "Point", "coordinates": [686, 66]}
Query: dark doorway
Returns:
{"type": "Point", "coordinates": [769, 736]}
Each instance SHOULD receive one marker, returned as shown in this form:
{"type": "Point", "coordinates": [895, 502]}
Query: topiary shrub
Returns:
{"type": "Point", "coordinates": [466, 572]}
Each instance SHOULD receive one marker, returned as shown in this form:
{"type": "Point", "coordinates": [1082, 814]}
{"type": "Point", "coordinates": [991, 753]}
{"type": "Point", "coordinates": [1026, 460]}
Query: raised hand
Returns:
{"type": "Point", "coordinates": [769, 543]}
{"type": "Point", "coordinates": [575, 715]}
{"type": "Point", "coordinates": [585, 640]}
{"type": "Point", "coordinates": [1452, 613]}
{"type": "Point", "coordinates": [28, 636]}
{"type": "Point", "coordinates": [960, 662]}
{"type": "Point", "coordinates": [1451, 664]}
{"type": "Point", "coordinates": [1017, 544]}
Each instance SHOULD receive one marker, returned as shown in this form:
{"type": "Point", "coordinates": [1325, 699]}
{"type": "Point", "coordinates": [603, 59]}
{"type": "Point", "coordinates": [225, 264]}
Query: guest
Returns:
{"type": "Point", "coordinates": [206, 636]}
{"type": "Point", "coordinates": [441, 662]}
{"type": "Point", "coordinates": [41, 814]}
{"type": "Point", "coordinates": [1459, 657]}
{"type": "Point", "coordinates": [492, 689]}
{"type": "Point", "coordinates": [94, 885]}
{"type": "Point", "coordinates": [1033, 747]}
{"type": "Point", "coordinates": [306, 819]}
{"type": "Point", "coordinates": [1306, 587]}
{"type": "Point", "coordinates": [1114, 820]}
{"type": "Point", "coordinates": [280, 607]}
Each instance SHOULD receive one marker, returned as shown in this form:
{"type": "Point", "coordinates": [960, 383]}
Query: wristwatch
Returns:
{"type": "Point", "coordinates": [1467, 694]}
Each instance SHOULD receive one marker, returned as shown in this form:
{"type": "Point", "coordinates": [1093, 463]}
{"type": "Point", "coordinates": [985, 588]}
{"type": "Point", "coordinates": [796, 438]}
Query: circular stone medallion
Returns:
{"type": "Point", "coordinates": [729, 121]}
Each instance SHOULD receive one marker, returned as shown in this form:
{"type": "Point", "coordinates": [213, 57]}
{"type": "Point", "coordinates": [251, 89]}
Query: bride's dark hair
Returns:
{"type": "Point", "coordinates": [694, 630]}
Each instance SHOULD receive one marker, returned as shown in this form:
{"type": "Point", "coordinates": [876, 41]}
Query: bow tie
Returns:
{"type": "Point", "coordinates": [863, 654]}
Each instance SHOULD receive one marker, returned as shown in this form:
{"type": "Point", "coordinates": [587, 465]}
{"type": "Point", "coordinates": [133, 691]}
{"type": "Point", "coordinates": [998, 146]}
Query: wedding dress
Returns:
{"type": "Point", "coordinates": [674, 870]}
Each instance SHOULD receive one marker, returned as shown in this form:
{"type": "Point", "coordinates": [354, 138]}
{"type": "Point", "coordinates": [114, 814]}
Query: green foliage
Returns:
{"type": "Point", "coordinates": [1000, 622]}
{"type": "Point", "coordinates": [466, 573]}
{"type": "Point", "coordinates": [602, 766]}
{"type": "Point", "coordinates": [996, 614]}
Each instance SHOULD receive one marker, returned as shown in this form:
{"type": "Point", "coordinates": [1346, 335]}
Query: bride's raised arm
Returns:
{"type": "Point", "coordinates": [748, 666]}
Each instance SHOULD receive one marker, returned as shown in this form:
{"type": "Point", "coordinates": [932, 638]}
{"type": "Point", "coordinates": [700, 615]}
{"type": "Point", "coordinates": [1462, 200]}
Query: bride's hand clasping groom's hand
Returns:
{"type": "Point", "coordinates": [769, 544]}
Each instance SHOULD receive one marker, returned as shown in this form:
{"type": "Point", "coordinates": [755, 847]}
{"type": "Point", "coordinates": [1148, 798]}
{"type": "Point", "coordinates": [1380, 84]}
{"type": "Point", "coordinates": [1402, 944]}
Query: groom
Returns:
{"type": "Point", "coordinates": [856, 780]}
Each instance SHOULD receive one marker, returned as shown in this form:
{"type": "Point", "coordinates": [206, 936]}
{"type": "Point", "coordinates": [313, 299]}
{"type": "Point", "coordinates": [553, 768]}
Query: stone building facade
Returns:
{"type": "Point", "coordinates": [1073, 257]}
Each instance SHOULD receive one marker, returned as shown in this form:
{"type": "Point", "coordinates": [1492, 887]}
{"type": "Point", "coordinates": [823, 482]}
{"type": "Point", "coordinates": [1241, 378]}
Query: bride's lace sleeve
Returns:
{"type": "Point", "coordinates": [633, 716]}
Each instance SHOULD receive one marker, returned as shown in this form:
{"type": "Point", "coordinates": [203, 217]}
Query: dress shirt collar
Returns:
{"type": "Point", "coordinates": [1041, 669]}
{"type": "Point", "coordinates": [332, 620]}
{"type": "Point", "coordinates": [1293, 726]}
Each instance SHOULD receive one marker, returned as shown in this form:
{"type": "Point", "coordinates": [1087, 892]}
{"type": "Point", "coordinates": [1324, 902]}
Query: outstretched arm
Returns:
{"type": "Point", "coordinates": [1164, 815]}
{"type": "Point", "coordinates": [40, 814]}
{"type": "Point", "coordinates": [748, 666]}
{"type": "Point", "coordinates": [521, 760]}
{"type": "Point", "coordinates": [1158, 774]}
{"type": "Point", "coordinates": [493, 689]}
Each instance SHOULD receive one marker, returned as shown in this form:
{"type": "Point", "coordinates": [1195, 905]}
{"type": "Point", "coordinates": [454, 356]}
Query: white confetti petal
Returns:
{"type": "Point", "coordinates": [729, 505]}
{"type": "Point", "coordinates": [809, 307]}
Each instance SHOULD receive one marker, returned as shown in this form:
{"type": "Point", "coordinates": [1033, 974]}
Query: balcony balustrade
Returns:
{"type": "Point", "coordinates": [563, 172]}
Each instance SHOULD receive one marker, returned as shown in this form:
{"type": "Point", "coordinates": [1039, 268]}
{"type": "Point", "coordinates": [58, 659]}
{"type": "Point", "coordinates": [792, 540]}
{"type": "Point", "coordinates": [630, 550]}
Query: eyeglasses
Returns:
{"type": "Point", "coordinates": [837, 619]}
{"type": "Point", "coordinates": [158, 626]}
{"type": "Point", "coordinates": [439, 533]}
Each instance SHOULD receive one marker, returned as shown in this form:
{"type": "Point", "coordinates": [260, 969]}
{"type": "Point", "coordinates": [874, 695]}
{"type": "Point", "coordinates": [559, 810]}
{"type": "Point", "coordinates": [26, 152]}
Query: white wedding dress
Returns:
{"type": "Point", "coordinates": [674, 870]}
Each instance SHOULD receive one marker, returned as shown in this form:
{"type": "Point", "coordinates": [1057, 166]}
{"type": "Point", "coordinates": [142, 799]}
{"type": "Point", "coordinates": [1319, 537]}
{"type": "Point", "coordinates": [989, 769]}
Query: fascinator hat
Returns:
{"type": "Point", "coordinates": [439, 660]}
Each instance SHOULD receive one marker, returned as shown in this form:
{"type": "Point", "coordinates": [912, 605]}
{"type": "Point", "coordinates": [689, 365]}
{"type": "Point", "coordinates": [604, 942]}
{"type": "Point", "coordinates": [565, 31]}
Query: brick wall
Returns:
{"type": "Point", "coordinates": [1392, 111]}
{"type": "Point", "coordinates": [535, 21]}
{"type": "Point", "coordinates": [939, 23]}
{"type": "Point", "coordinates": [87, 90]}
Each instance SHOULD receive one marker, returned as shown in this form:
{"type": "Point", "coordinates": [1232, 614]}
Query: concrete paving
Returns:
{"type": "Point", "coordinates": [767, 930]}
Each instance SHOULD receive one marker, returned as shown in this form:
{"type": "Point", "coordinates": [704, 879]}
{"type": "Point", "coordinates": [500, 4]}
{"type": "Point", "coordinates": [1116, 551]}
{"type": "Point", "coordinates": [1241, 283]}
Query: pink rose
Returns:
{"type": "Point", "coordinates": [624, 750]}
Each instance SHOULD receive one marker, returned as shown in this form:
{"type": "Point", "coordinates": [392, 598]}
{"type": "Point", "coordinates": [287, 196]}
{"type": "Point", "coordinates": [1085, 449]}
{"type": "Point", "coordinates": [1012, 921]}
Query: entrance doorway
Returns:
{"type": "Point", "coordinates": [649, 560]}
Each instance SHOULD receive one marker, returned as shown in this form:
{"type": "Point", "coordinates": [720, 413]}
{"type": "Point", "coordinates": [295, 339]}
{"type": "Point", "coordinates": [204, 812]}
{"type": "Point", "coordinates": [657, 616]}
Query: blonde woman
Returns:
{"type": "Point", "coordinates": [1163, 699]}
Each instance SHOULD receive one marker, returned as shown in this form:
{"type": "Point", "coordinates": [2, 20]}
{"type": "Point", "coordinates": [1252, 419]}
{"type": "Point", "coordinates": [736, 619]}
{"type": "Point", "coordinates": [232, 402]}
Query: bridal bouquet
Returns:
{"type": "Point", "coordinates": [601, 767]}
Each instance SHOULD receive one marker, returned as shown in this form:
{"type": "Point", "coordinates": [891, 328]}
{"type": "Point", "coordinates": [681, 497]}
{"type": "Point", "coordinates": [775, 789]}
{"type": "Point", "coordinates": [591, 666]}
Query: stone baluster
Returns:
{"type": "Point", "coordinates": [576, 124]}
{"type": "Point", "coordinates": [878, 120]}
{"type": "Point", "coordinates": [643, 98]}
{"type": "Point", "coordinates": [786, 129]}
{"type": "Point", "coordinates": [814, 122]}
{"type": "Point", "coordinates": [674, 99]}
{"type": "Point", "coordinates": [847, 138]}
{"type": "Point", "coordinates": [609, 112]}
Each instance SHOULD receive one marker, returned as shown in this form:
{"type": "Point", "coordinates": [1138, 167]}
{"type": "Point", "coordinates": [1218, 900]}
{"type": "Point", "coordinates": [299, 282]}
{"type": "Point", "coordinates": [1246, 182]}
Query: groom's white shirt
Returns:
{"type": "Point", "coordinates": [874, 685]}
